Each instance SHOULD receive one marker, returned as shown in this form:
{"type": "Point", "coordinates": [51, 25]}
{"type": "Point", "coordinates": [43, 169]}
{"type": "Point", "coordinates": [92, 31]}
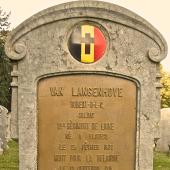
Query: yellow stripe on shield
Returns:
{"type": "Point", "coordinates": [87, 57]}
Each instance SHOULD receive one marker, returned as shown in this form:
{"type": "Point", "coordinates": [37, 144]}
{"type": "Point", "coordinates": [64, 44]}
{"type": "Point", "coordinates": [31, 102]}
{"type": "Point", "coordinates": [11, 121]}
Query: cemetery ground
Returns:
{"type": "Point", "coordinates": [9, 160]}
{"type": "Point", "coordinates": [161, 161]}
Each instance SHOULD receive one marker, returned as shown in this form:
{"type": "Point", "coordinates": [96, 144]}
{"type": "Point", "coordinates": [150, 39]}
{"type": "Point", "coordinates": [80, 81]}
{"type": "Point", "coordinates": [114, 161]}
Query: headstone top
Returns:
{"type": "Point", "coordinates": [78, 9]}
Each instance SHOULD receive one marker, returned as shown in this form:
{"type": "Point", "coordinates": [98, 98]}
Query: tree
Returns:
{"type": "Point", "coordinates": [5, 65]}
{"type": "Point", "coordinates": [165, 91]}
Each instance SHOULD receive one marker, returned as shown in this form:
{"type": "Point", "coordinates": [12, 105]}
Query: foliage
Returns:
{"type": "Point", "coordinates": [5, 65]}
{"type": "Point", "coordinates": [165, 91]}
{"type": "Point", "coordinates": [10, 159]}
{"type": "Point", "coordinates": [4, 24]}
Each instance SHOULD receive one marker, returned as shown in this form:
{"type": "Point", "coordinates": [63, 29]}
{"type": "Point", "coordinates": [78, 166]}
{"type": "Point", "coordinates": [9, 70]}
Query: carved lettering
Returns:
{"type": "Point", "coordinates": [89, 147]}
{"type": "Point", "coordinates": [94, 126]}
{"type": "Point", "coordinates": [75, 158]}
{"type": "Point", "coordinates": [68, 136]}
{"type": "Point", "coordinates": [56, 91]}
{"type": "Point", "coordinates": [107, 168]}
{"type": "Point", "coordinates": [62, 147]}
{"type": "Point", "coordinates": [73, 147]}
{"type": "Point", "coordinates": [108, 147]}
{"type": "Point", "coordinates": [98, 136]}
{"type": "Point", "coordinates": [107, 126]}
{"type": "Point", "coordinates": [88, 168]}
{"type": "Point", "coordinates": [73, 125]}
{"type": "Point", "coordinates": [86, 104]}
{"type": "Point", "coordinates": [60, 158]}
{"type": "Point", "coordinates": [86, 115]}
{"type": "Point", "coordinates": [89, 158]}
{"type": "Point", "coordinates": [97, 92]}
{"type": "Point", "coordinates": [65, 168]}
{"type": "Point", "coordinates": [107, 158]}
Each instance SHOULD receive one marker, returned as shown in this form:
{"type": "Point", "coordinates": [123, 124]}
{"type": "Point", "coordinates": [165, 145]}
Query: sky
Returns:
{"type": "Point", "coordinates": [157, 12]}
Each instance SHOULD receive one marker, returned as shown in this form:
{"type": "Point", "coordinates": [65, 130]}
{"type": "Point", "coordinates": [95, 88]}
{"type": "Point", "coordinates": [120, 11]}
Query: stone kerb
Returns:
{"type": "Point", "coordinates": [3, 128]}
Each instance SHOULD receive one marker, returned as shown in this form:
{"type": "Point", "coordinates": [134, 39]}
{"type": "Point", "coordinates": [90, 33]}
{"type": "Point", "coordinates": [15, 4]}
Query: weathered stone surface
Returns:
{"type": "Point", "coordinates": [39, 50]}
{"type": "Point", "coordinates": [164, 141]}
{"type": "Point", "coordinates": [8, 131]}
{"type": "Point", "coordinates": [3, 127]}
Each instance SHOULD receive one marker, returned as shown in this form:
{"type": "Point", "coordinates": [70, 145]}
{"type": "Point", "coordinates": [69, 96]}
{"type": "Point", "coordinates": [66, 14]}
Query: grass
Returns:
{"type": "Point", "coordinates": [161, 161]}
{"type": "Point", "coordinates": [9, 160]}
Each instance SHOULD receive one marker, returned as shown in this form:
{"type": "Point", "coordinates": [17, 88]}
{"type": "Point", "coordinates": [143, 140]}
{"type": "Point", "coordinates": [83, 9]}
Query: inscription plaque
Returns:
{"type": "Point", "coordinates": [86, 122]}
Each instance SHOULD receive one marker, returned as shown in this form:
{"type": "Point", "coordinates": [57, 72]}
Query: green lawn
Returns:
{"type": "Point", "coordinates": [161, 161]}
{"type": "Point", "coordinates": [9, 160]}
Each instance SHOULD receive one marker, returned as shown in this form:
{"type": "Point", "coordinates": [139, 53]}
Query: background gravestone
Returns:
{"type": "Point", "coordinates": [164, 141]}
{"type": "Point", "coordinates": [85, 88]}
{"type": "Point", "coordinates": [8, 131]}
{"type": "Point", "coordinates": [3, 127]}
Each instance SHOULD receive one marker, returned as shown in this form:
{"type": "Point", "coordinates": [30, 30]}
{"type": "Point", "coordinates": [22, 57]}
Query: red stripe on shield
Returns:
{"type": "Point", "coordinates": [99, 44]}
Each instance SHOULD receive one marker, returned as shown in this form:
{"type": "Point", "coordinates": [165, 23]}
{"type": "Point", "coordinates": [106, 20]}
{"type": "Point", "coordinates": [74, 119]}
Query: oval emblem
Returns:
{"type": "Point", "coordinates": [87, 43]}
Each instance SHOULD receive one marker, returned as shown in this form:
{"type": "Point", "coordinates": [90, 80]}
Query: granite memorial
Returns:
{"type": "Point", "coordinates": [85, 88]}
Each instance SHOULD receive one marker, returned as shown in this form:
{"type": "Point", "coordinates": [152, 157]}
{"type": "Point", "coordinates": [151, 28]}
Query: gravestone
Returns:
{"type": "Point", "coordinates": [8, 130]}
{"type": "Point", "coordinates": [164, 141]}
{"type": "Point", "coordinates": [85, 88]}
{"type": "Point", "coordinates": [3, 128]}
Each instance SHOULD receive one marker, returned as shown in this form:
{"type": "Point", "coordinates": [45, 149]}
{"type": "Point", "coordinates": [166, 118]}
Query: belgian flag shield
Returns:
{"type": "Point", "coordinates": [87, 43]}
